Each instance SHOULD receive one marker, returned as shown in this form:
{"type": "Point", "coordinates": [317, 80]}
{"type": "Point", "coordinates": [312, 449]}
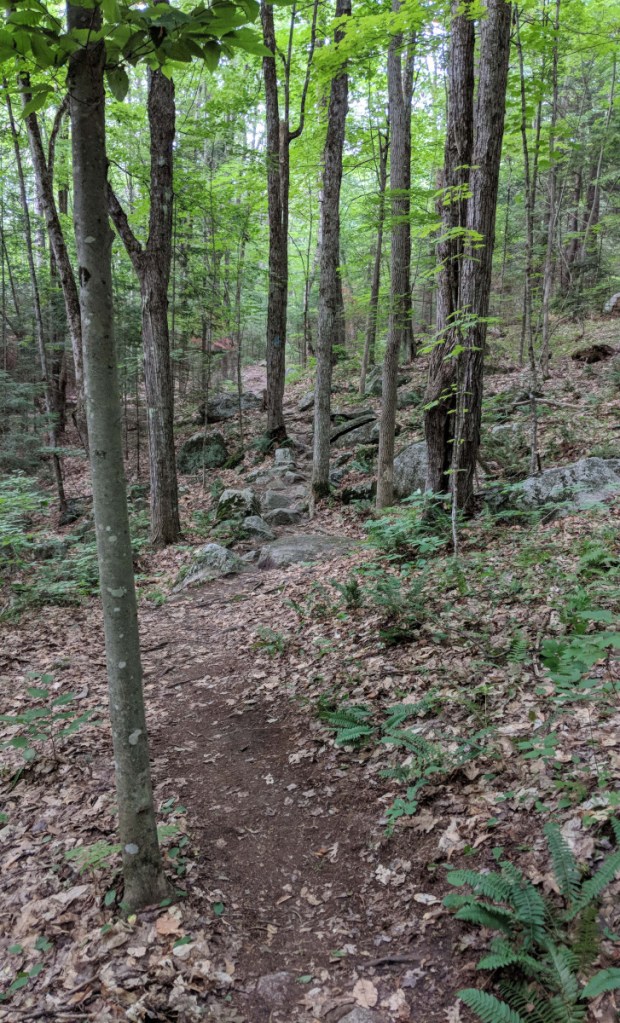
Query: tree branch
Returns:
{"type": "Point", "coordinates": [121, 223]}
{"type": "Point", "coordinates": [304, 92]}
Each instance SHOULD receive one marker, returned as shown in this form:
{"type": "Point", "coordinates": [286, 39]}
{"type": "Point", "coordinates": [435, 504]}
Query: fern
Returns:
{"type": "Point", "coordinates": [493, 886]}
{"type": "Point", "coordinates": [348, 736]}
{"type": "Point", "coordinates": [538, 944]}
{"type": "Point", "coordinates": [594, 886]}
{"type": "Point", "coordinates": [564, 864]}
{"type": "Point", "coordinates": [604, 980]}
{"type": "Point", "coordinates": [489, 1008]}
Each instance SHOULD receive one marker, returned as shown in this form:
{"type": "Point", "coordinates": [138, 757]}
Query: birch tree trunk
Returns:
{"type": "Point", "coordinates": [400, 85]}
{"type": "Point", "coordinates": [142, 866]}
{"type": "Point", "coordinates": [330, 326]}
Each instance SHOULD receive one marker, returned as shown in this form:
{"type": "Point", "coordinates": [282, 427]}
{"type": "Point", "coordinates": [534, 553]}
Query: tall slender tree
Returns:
{"type": "Point", "coordinates": [142, 866]}
{"type": "Point", "coordinates": [278, 142]}
{"type": "Point", "coordinates": [330, 308]}
{"type": "Point", "coordinates": [400, 91]}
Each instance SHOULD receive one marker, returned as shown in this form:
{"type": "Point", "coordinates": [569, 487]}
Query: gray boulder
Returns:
{"type": "Point", "coordinates": [254, 525]}
{"type": "Point", "coordinates": [340, 436]}
{"type": "Point", "coordinates": [274, 499]}
{"type": "Point", "coordinates": [374, 382]}
{"type": "Point", "coordinates": [284, 457]}
{"type": "Point", "coordinates": [235, 504]}
{"type": "Point", "coordinates": [410, 468]}
{"type": "Point", "coordinates": [307, 402]}
{"type": "Point", "coordinates": [283, 516]}
{"type": "Point", "coordinates": [583, 484]}
{"type": "Point", "coordinates": [612, 305]}
{"type": "Point", "coordinates": [209, 562]}
{"type": "Point", "coordinates": [226, 406]}
{"type": "Point", "coordinates": [208, 450]}
{"type": "Point", "coordinates": [364, 491]}
{"type": "Point", "coordinates": [292, 550]}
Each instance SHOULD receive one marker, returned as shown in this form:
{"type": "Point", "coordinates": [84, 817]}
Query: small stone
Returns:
{"type": "Point", "coordinates": [307, 402]}
{"type": "Point", "coordinates": [283, 456]}
{"type": "Point", "coordinates": [209, 562]}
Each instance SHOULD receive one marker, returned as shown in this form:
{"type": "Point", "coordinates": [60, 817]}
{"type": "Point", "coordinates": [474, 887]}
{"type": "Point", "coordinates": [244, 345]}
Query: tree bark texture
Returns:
{"type": "Point", "coordinates": [277, 199]}
{"type": "Point", "coordinates": [400, 84]}
{"type": "Point", "coordinates": [330, 326]}
{"type": "Point", "coordinates": [478, 256]}
{"type": "Point", "coordinates": [142, 867]}
{"type": "Point", "coordinates": [369, 357]}
{"type": "Point", "coordinates": [439, 418]}
{"type": "Point", "coordinates": [152, 266]}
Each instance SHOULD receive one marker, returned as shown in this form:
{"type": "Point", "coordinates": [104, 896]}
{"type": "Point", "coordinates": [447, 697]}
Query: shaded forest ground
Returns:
{"type": "Point", "coordinates": [300, 906]}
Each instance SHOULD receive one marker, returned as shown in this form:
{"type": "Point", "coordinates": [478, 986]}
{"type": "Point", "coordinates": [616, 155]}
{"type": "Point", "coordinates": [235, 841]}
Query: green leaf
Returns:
{"type": "Point", "coordinates": [36, 969]}
{"type": "Point", "coordinates": [489, 1008]}
{"type": "Point", "coordinates": [15, 949]}
{"type": "Point", "coordinates": [109, 897]}
{"type": "Point", "coordinates": [111, 11]}
{"type": "Point", "coordinates": [218, 908]}
{"type": "Point", "coordinates": [604, 980]}
{"type": "Point", "coordinates": [29, 754]}
{"type": "Point", "coordinates": [38, 694]}
{"type": "Point", "coordinates": [19, 742]}
{"type": "Point", "coordinates": [36, 103]}
{"type": "Point", "coordinates": [118, 82]}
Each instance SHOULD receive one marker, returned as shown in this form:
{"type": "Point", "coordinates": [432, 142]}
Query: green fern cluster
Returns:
{"type": "Point", "coordinates": [543, 949]}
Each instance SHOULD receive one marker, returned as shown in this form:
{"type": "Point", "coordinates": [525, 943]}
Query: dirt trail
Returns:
{"type": "Point", "coordinates": [289, 842]}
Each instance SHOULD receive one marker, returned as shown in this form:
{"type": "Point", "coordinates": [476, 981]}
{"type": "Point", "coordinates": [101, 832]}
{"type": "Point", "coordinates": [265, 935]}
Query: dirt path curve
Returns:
{"type": "Point", "coordinates": [290, 846]}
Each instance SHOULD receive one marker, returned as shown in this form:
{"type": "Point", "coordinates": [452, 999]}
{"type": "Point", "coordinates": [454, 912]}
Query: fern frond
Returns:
{"type": "Point", "coordinates": [493, 917]}
{"type": "Point", "coordinates": [588, 937]}
{"type": "Point", "coordinates": [604, 980]}
{"type": "Point", "coordinates": [530, 911]}
{"type": "Point", "coordinates": [350, 735]}
{"type": "Point", "coordinates": [592, 888]}
{"type": "Point", "coordinates": [493, 886]}
{"type": "Point", "coordinates": [564, 863]}
{"type": "Point", "coordinates": [504, 954]}
{"type": "Point", "coordinates": [563, 964]}
{"type": "Point", "coordinates": [488, 1008]}
{"type": "Point", "coordinates": [615, 823]}
{"type": "Point", "coordinates": [344, 717]}
{"type": "Point", "coordinates": [562, 1012]}
{"type": "Point", "coordinates": [524, 999]}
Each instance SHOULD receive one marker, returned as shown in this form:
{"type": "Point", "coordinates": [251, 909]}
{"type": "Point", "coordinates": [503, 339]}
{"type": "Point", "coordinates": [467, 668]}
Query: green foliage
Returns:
{"type": "Point", "coordinates": [546, 943]}
{"type": "Point", "coordinates": [421, 528]}
{"type": "Point", "coordinates": [49, 719]}
{"type": "Point", "coordinates": [21, 500]}
{"type": "Point", "coordinates": [270, 641]}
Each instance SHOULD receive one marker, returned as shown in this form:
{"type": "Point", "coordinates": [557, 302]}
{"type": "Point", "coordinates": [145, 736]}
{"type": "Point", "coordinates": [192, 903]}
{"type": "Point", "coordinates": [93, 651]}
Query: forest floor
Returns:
{"type": "Point", "coordinates": [307, 894]}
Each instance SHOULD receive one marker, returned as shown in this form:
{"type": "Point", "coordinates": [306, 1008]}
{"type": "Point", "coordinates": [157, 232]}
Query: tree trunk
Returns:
{"type": "Point", "coordinates": [142, 867]}
{"type": "Point", "coordinates": [330, 310]}
{"type": "Point", "coordinates": [58, 245]}
{"type": "Point", "coordinates": [152, 266]}
{"type": "Point", "coordinates": [400, 86]}
{"type": "Point", "coordinates": [552, 220]}
{"type": "Point", "coordinates": [369, 357]}
{"type": "Point", "coordinates": [279, 138]}
{"type": "Point", "coordinates": [439, 418]}
{"type": "Point", "coordinates": [277, 185]}
{"type": "Point", "coordinates": [51, 390]}
{"type": "Point", "coordinates": [478, 262]}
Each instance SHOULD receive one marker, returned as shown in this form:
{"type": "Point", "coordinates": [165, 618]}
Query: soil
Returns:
{"type": "Point", "coordinates": [292, 845]}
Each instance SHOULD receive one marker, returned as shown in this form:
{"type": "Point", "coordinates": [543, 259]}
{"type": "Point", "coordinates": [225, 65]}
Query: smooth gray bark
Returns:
{"type": "Point", "coordinates": [330, 324]}
{"type": "Point", "coordinates": [369, 356]}
{"type": "Point", "coordinates": [142, 867]}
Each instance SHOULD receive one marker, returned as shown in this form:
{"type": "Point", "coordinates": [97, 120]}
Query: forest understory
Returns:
{"type": "Point", "coordinates": [328, 739]}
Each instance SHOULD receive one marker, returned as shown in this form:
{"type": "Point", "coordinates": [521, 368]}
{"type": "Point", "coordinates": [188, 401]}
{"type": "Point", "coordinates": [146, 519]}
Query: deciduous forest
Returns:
{"type": "Point", "coordinates": [309, 507]}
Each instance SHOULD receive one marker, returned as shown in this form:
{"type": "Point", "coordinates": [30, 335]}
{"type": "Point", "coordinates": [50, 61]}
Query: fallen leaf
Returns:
{"type": "Point", "coordinates": [365, 994]}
